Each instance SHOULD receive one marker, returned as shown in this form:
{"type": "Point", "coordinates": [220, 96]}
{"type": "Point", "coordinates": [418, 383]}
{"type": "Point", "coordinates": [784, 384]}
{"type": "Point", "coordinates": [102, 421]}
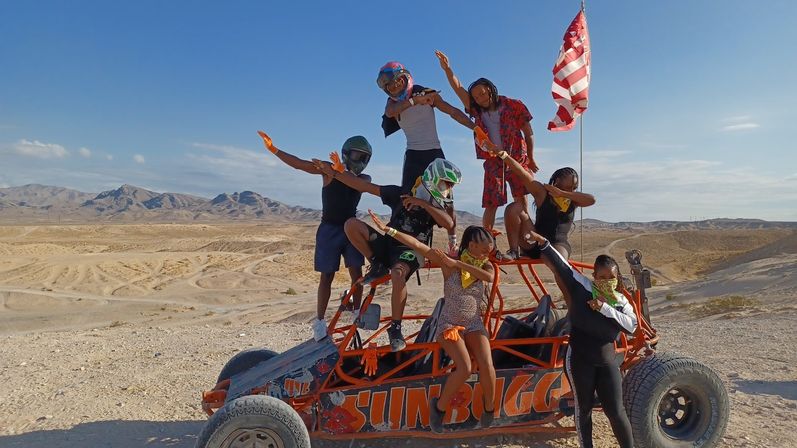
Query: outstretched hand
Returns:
{"type": "Point", "coordinates": [444, 64]}
{"type": "Point", "coordinates": [377, 220]}
{"type": "Point", "coordinates": [336, 163]}
{"type": "Point", "coordinates": [267, 141]}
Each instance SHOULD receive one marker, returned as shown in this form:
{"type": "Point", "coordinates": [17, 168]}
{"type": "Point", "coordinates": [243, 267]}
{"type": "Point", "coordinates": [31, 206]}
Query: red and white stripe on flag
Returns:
{"type": "Point", "coordinates": [570, 88]}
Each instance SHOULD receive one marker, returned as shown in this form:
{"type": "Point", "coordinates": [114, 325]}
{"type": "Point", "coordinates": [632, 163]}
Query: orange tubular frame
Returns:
{"type": "Point", "coordinates": [634, 346]}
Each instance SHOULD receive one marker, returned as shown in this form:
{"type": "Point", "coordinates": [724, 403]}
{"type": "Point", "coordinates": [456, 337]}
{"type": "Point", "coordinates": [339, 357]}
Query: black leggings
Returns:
{"type": "Point", "coordinates": [415, 162]}
{"type": "Point", "coordinates": [587, 377]}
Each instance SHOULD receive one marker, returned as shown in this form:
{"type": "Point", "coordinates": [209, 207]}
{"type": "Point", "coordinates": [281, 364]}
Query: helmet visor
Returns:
{"type": "Point", "coordinates": [358, 156]}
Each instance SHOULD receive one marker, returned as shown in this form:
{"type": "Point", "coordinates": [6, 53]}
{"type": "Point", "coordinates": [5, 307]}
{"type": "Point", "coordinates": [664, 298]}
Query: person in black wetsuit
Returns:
{"type": "Point", "coordinates": [597, 313]}
{"type": "Point", "coordinates": [338, 204]}
{"type": "Point", "coordinates": [556, 204]}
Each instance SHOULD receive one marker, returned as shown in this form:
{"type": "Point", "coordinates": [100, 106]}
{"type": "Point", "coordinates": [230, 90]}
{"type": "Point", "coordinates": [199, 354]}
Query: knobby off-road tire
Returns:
{"type": "Point", "coordinates": [243, 361]}
{"type": "Point", "coordinates": [674, 401]}
{"type": "Point", "coordinates": [255, 421]}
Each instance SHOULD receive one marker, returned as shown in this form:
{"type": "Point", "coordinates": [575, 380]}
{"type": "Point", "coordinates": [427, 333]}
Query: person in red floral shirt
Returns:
{"type": "Point", "coordinates": [507, 122]}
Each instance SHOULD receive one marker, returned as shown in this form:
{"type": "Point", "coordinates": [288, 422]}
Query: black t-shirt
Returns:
{"type": "Point", "coordinates": [553, 223]}
{"type": "Point", "coordinates": [338, 202]}
{"type": "Point", "coordinates": [418, 222]}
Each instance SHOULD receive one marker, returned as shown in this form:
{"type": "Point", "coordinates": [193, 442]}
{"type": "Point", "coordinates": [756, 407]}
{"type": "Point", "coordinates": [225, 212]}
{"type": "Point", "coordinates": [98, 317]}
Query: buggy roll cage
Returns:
{"type": "Point", "coordinates": [351, 347]}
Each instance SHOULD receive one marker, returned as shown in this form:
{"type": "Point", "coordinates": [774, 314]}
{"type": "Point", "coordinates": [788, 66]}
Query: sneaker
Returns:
{"type": "Point", "coordinates": [319, 329]}
{"type": "Point", "coordinates": [376, 271]}
{"type": "Point", "coordinates": [435, 416]}
{"type": "Point", "coordinates": [487, 418]}
{"type": "Point", "coordinates": [510, 255]}
{"type": "Point", "coordinates": [397, 343]}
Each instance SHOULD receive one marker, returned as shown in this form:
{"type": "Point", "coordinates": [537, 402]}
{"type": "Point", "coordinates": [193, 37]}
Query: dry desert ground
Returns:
{"type": "Point", "coordinates": [110, 332]}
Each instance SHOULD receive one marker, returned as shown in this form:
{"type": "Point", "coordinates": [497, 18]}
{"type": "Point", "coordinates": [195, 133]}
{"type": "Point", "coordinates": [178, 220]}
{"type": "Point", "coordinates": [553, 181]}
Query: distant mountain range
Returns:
{"type": "Point", "coordinates": [130, 203]}
{"type": "Point", "coordinates": [42, 203]}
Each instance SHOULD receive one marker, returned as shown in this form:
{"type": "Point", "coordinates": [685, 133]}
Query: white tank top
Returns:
{"type": "Point", "coordinates": [420, 128]}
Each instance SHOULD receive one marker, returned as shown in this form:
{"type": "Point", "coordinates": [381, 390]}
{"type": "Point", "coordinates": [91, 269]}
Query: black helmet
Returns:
{"type": "Point", "coordinates": [356, 153]}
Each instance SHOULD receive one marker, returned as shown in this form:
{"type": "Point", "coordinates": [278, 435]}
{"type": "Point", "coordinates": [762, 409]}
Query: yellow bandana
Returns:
{"type": "Point", "coordinates": [562, 203]}
{"type": "Point", "coordinates": [467, 258]}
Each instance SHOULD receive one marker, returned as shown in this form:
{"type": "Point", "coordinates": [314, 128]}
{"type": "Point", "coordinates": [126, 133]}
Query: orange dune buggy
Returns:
{"type": "Point", "coordinates": [347, 387]}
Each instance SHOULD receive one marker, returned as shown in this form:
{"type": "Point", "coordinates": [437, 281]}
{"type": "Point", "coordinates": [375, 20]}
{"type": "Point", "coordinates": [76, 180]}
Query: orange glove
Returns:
{"type": "Point", "coordinates": [336, 164]}
{"type": "Point", "coordinates": [369, 359]}
{"type": "Point", "coordinates": [481, 137]}
{"type": "Point", "coordinates": [452, 334]}
{"type": "Point", "coordinates": [267, 141]}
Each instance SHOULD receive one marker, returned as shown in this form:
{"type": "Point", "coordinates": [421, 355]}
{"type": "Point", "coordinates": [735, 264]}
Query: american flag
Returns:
{"type": "Point", "coordinates": [571, 73]}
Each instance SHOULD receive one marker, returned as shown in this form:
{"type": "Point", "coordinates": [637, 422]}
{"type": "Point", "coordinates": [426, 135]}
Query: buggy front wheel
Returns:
{"type": "Point", "coordinates": [255, 421]}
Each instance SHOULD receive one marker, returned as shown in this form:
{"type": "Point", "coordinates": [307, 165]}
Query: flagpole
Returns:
{"type": "Point", "coordinates": [581, 177]}
{"type": "Point", "coordinates": [581, 161]}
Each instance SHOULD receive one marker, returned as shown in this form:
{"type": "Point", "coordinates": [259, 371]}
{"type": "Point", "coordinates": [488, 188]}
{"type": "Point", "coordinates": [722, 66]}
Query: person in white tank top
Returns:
{"type": "Point", "coordinates": [410, 108]}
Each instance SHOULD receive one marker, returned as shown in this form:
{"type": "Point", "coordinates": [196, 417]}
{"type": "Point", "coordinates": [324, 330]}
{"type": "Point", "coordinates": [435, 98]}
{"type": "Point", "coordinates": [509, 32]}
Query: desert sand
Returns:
{"type": "Point", "coordinates": [110, 332]}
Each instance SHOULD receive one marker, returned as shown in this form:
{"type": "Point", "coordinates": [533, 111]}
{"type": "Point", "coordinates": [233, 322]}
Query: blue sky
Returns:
{"type": "Point", "coordinates": [690, 103]}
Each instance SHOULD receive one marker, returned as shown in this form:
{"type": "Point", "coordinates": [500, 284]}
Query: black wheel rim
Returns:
{"type": "Point", "coordinates": [679, 413]}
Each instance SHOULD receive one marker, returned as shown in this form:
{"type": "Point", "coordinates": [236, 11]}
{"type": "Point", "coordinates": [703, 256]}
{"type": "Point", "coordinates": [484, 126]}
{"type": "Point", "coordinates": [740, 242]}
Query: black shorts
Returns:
{"type": "Point", "coordinates": [390, 252]}
{"type": "Point", "coordinates": [415, 162]}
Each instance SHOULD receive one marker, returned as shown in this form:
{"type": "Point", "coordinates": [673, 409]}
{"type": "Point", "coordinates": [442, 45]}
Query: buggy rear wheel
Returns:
{"type": "Point", "coordinates": [675, 401]}
{"type": "Point", "coordinates": [255, 421]}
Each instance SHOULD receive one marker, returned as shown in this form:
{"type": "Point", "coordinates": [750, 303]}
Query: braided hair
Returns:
{"type": "Point", "coordinates": [476, 234]}
{"type": "Point", "coordinates": [490, 87]}
{"type": "Point", "coordinates": [562, 172]}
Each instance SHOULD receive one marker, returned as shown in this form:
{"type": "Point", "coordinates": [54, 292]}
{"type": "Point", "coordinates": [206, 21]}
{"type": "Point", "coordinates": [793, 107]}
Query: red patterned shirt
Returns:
{"type": "Point", "coordinates": [514, 115]}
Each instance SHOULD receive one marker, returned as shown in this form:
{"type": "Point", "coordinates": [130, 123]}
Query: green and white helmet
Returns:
{"type": "Point", "coordinates": [441, 170]}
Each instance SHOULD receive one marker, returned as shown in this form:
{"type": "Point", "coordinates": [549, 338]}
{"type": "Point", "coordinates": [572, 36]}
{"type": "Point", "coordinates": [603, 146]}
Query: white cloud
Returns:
{"type": "Point", "coordinates": [138, 158]}
{"type": "Point", "coordinates": [739, 127]}
{"type": "Point", "coordinates": [85, 152]}
{"type": "Point", "coordinates": [108, 157]}
{"type": "Point", "coordinates": [235, 157]}
{"type": "Point", "coordinates": [738, 118]}
{"type": "Point", "coordinates": [40, 150]}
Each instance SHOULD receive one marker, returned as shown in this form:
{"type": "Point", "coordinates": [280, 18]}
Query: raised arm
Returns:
{"type": "Point", "coordinates": [404, 239]}
{"type": "Point", "coordinates": [567, 277]}
{"type": "Point", "coordinates": [435, 255]}
{"type": "Point", "coordinates": [289, 159]}
{"type": "Point", "coordinates": [453, 81]}
{"type": "Point", "coordinates": [358, 183]}
{"type": "Point", "coordinates": [533, 186]}
{"type": "Point", "coordinates": [452, 111]}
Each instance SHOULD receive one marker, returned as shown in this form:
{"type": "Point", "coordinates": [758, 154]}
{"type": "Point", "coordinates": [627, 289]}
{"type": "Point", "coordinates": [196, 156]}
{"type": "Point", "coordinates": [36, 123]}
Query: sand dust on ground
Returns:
{"type": "Point", "coordinates": [110, 332]}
